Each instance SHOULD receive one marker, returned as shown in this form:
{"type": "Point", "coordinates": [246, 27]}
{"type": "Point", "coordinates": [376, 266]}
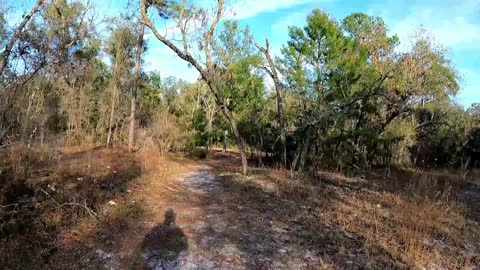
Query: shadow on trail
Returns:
{"type": "Point", "coordinates": [163, 245]}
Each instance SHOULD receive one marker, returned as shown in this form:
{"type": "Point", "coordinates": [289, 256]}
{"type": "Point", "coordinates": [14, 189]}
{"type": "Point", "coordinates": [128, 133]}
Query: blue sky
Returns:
{"type": "Point", "coordinates": [455, 24]}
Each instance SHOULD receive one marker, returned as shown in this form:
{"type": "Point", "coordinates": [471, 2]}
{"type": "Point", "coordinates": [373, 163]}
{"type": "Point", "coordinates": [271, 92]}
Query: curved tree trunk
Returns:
{"type": "Point", "coordinates": [207, 71]}
{"type": "Point", "coordinates": [225, 134]}
{"type": "Point", "coordinates": [305, 150]}
{"type": "Point", "coordinates": [302, 151]}
{"type": "Point", "coordinates": [233, 124]}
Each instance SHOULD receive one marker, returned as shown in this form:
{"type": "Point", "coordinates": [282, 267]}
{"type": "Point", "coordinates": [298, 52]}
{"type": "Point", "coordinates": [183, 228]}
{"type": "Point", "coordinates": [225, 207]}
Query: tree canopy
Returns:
{"type": "Point", "coordinates": [343, 96]}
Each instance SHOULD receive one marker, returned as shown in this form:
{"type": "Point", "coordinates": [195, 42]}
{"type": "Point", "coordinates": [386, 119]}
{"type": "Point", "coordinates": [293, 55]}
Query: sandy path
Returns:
{"type": "Point", "coordinates": [208, 228]}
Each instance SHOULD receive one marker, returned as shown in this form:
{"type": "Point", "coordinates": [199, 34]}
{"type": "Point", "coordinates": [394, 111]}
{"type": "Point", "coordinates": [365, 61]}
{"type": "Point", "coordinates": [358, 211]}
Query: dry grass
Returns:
{"type": "Point", "coordinates": [422, 219]}
{"type": "Point", "coordinates": [419, 219]}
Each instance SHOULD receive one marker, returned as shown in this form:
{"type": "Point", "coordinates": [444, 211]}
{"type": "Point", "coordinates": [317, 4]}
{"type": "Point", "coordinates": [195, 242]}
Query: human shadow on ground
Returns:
{"type": "Point", "coordinates": [163, 245]}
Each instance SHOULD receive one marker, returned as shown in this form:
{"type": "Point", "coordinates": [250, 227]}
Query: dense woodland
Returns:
{"type": "Point", "coordinates": [340, 96]}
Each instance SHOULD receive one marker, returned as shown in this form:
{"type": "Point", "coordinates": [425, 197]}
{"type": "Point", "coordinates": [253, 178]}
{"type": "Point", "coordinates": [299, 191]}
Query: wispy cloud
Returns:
{"type": "Point", "coordinates": [455, 24]}
{"type": "Point", "coordinates": [249, 8]}
{"type": "Point", "coordinates": [279, 30]}
{"type": "Point", "coordinates": [457, 31]}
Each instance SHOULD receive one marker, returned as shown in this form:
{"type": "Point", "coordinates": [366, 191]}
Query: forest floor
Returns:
{"type": "Point", "coordinates": [101, 208]}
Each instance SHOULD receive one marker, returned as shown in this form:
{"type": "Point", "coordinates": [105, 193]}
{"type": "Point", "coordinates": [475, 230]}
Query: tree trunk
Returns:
{"type": "Point", "coordinates": [8, 49]}
{"type": "Point", "coordinates": [26, 120]}
{"type": "Point", "coordinates": [306, 146]}
{"type": "Point", "coordinates": [208, 145]}
{"type": "Point", "coordinates": [302, 151]}
{"type": "Point", "coordinates": [112, 114]}
{"type": "Point", "coordinates": [225, 134]}
{"type": "Point", "coordinates": [228, 114]}
{"type": "Point", "coordinates": [133, 105]}
{"type": "Point", "coordinates": [260, 147]}
{"type": "Point", "coordinates": [238, 139]}
{"type": "Point", "coordinates": [296, 157]}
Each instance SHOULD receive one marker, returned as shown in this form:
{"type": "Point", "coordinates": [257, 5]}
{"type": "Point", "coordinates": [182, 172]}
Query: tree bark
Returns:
{"type": "Point", "coordinates": [293, 167]}
{"type": "Point", "coordinates": [225, 134]}
{"type": "Point", "coordinates": [306, 148]}
{"type": "Point", "coordinates": [8, 49]}
{"type": "Point", "coordinates": [278, 89]}
{"type": "Point", "coordinates": [302, 151]}
{"type": "Point", "coordinates": [238, 137]}
{"type": "Point", "coordinates": [112, 114]}
{"type": "Point", "coordinates": [133, 105]}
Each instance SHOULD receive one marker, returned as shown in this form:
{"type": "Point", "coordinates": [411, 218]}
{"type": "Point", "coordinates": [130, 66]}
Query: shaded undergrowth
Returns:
{"type": "Point", "coordinates": [58, 192]}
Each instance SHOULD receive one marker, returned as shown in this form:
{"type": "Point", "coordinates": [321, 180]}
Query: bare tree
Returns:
{"type": "Point", "coordinates": [133, 106]}
{"type": "Point", "coordinates": [16, 35]}
{"type": "Point", "coordinates": [208, 70]}
{"type": "Point", "coordinates": [272, 72]}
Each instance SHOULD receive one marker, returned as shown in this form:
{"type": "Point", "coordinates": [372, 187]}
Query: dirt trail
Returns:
{"type": "Point", "coordinates": [206, 227]}
{"type": "Point", "coordinates": [194, 237]}
{"type": "Point", "coordinates": [215, 221]}
{"type": "Point", "coordinates": [174, 244]}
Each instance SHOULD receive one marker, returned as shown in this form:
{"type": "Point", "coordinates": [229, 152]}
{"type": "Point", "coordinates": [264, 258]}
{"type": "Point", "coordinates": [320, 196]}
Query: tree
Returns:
{"type": "Point", "coordinates": [184, 15]}
{"type": "Point", "coordinates": [133, 107]}
{"type": "Point", "coordinates": [56, 51]}
{"type": "Point", "coordinates": [272, 72]}
{"type": "Point", "coordinates": [309, 59]}
{"type": "Point", "coordinates": [121, 49]}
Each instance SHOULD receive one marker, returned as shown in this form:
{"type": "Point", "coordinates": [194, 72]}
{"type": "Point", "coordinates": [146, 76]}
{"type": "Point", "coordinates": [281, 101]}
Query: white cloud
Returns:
{"type": "Point", "coordinates": [162, 59]}
{"type": "Point", "coordinates": [452, 32]}
{"type": "Point", "coordinates": [299, 18]}
{"type": "Point", "coordinates": [250, 8]}
{"type": "Point", "coordinates": [455, 27]}
{"type": "Point", "coordinates": [279, 30]}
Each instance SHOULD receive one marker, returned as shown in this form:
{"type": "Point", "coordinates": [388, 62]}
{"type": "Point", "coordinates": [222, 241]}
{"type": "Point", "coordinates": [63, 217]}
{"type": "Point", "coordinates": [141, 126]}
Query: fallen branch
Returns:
{"type": "Point", "coordinates": [9, 205]}
{"type": "Point", "coordinates": [7, 145]}
{"type": "Point", "coordinates": [89, 211]}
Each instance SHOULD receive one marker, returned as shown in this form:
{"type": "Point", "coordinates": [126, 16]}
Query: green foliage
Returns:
{"type": "Point", "coordinates": [121, 48]}
{"type": "Point", "coordinates": [199, 153]}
